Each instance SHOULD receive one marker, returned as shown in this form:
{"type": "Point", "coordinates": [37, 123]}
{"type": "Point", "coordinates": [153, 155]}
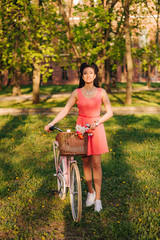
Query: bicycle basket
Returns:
{"type": "Point", "coordinates": [71, 144]}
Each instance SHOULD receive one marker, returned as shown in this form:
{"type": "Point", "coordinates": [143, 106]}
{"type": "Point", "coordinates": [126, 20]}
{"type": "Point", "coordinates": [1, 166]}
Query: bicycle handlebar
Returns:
{"type": "Point", "coordinates": [53, 128]}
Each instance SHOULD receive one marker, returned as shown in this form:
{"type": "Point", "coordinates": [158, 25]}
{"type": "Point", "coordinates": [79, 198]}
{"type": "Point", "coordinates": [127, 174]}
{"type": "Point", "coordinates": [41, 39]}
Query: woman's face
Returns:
{"type": "Point", "coordinates": [88, 75]}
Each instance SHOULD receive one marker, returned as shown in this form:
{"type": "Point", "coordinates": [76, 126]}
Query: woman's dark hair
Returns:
{"type": "Point", "coordinates": [95, 68]}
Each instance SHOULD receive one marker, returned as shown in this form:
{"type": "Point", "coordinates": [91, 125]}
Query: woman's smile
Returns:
{"type": "Point", "coordinates": [89, 74]}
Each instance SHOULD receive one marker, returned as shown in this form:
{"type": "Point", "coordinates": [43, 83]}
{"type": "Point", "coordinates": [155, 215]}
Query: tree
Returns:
{"type": "Point", "coordinates": [36, 59]}
{"type": "Point", "coordinates": [153, 7]}
{"type": "Point", "coordinates": [148, 57]}
{"type": "Point", "coordinates": [41, 41]}
{"type": "Point", "coordinates": [28, 36]}
{"type": "Point", "coordinates": [13, 33]}
{"type": "Point", "coordinates": [89, 38]}
{"type": "Point", "coordinates": [1, 46]}
{"type": "Point", "coordinates": [68, 27]}
{"type": "Point", "coordinates": [126, 6]}
{"type": "Point", "coordinates": [148, 50]}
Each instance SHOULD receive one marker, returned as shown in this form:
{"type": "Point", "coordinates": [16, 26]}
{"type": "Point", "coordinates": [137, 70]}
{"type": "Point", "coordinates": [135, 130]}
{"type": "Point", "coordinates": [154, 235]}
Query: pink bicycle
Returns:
{"type": "Point", "coordinates": [66, 146]}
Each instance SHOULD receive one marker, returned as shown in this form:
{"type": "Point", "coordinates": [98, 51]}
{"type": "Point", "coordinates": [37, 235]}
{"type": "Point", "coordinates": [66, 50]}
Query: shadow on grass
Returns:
{"type": "Point", "coordinates": [30, 213]}
{"type": "Point", "coordinates": [25, 89]}
{"type": "Point", "coordinates": [54, 103]}
{"type": "Point", "coordinates": [54, 89]}
{"type": "Point", "coordinates": [120, 188]}
{"type": "Point", "coordinates": [148, 96]}
{"type": "Point", "coordinates": [27, 103]}
{"type": "Point", "coordinates": [10, 132]}
{"type": "Point", "coordinates": [119, 100]}
{"type": "Point", "coordinates": [42, 213]}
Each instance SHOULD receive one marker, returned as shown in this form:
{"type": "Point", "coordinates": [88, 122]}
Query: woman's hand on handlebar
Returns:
{"type": "Point", "coordinates": [46, 128]}
{"type": "Point", "coordinates": [50, 128]}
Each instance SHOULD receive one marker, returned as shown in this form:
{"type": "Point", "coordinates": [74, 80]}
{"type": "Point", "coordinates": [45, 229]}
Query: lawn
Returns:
{"type": "Point", "coordinates": [53, 89]}
{"type": "Point", "coordinates": [30, 207]}
{"type": "Point", "coordinates": [140, 98]}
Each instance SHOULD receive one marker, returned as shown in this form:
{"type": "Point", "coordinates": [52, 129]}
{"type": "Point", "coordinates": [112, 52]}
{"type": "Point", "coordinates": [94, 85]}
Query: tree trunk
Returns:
{"type": "Point", "coordinates": [36, 83]}
{"type": "Point", "coordinates": [128, 55]}
{"type": "Point", "coordinates": [107, 7]}
{"type": "Point", "coordinates": [1, 78]}
{"type": "Point", "coordinates": [123, 71]}
{"type": "Point", "coordinates": [16, 91]}
{"type": "Point", "coordinates": [69, 32]}
{"type": "Point", "coordinates": [107, 76]}
{"type": "Point", "coordinates": [149, 77]}
{"type": "Point", "coordinates": [158, 25]}
{"type": "Point", "coordinates": [157, 32]}
{"type": "Point", "coordinates": [10, 77]}
{"type": "Point", "coordinates": [101, 74]}
{"type": "Point", "coordinates": [36, 71]}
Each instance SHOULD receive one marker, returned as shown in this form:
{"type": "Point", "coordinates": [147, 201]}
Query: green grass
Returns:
{"type": "Point", "coordinates": [141, 98]}
{"type": "Point", "coordinates": [45, 89]}
{"type": "Point", "coordinates": [53, 89]}
{"type": "Point", "coordinates": [44, 103]}
{"type": "Point", "coordinates": [137, 85]}
{"type": "Point", "coordinates": [30, 207]}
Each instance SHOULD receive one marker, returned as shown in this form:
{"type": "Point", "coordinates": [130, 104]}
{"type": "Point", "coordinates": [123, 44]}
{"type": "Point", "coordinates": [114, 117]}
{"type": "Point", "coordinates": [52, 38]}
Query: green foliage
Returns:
{"type": "Point", "coordinates": [90, 31]}
{"type": "Point", "coordinates": [28, 33]}
{"type": "Point", "coordinates": [149, 55]}
{"type": "Point", "coordinates": [99, 34]}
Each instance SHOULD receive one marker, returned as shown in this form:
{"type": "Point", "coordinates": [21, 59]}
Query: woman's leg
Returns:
{"type": "Point", "coordinates": [88, 172]}
{"type": "Point", "coordinates": [97, 174]}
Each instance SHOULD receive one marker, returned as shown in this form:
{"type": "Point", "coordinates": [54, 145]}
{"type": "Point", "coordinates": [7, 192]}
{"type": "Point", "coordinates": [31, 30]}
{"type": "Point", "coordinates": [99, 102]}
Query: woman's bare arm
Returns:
{"type": "Point", "coordinates": [71, 101]}
{"type": "Point", "coordinates": [108, 108]}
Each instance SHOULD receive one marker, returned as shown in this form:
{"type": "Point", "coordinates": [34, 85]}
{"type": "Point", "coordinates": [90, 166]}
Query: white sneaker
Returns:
{"type": "Point", "coordinates": [98, 206]}
{"type": "Point", "coordinates": [90, 199]}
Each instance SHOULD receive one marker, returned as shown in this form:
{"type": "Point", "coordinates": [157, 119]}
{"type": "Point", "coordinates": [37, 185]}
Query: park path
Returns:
{"type": "Point", "coordinates": [55, 110]}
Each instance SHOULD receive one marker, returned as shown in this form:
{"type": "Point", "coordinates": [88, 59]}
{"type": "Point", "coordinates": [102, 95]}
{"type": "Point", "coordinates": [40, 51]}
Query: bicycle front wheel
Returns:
{"type": "Point", "coordinates": [75, 193]}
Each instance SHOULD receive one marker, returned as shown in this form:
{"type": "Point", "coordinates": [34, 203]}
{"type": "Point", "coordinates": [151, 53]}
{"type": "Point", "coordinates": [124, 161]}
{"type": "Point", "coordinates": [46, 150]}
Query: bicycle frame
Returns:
{"type": "Point", "coordinates": [68, 175]}
{"type": "Point", "coordinates": [67, 161]}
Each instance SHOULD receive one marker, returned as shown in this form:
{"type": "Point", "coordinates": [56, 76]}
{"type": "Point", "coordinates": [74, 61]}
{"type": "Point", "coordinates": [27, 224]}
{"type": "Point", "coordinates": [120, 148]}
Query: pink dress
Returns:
{"type": "Point", "coordinates": [88, 112]}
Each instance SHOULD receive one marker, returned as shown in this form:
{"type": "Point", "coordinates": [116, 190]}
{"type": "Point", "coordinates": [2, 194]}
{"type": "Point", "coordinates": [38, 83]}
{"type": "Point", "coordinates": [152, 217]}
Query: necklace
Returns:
{"type": "Point", "coordinates": [89, 92]}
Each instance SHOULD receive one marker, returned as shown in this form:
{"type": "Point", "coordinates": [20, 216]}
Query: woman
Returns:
{"type": "Point", "coordinates": [89, 98]}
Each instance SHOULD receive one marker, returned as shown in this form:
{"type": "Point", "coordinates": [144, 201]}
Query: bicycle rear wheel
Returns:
{"type": "Point", "coordinates": [75, 193]}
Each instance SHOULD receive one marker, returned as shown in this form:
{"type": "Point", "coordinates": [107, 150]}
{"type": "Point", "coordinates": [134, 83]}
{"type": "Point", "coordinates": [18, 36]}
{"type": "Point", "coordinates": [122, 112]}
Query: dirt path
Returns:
{"type": "Point", "coordinates": [52, 111]}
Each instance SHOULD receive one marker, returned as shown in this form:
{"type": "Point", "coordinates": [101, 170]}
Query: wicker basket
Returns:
{"type": "Point", "coordinates": [71, 144]}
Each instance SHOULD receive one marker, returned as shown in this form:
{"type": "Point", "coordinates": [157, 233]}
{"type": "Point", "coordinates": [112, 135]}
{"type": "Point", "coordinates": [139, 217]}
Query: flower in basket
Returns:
{"type": "Point", "coordinates": [90, 132]}
{"type": "Point", "coordinates": [81, 130]}
{"type": "Point", "coordinates": [79, 135]}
